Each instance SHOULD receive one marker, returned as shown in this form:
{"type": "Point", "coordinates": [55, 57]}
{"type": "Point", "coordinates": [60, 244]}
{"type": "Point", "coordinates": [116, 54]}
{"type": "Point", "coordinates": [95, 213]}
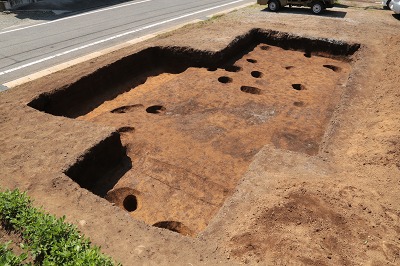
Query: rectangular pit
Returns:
{"type": "Point", "coordinates": [191, 121]}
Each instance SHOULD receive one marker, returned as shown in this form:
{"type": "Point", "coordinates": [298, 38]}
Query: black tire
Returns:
{"type": "Point", "coordinates": [273, 5]}
{"type": "Point", "coordinates": [317, 8]}
{"type": "Point", "coordinates": [387, 4]}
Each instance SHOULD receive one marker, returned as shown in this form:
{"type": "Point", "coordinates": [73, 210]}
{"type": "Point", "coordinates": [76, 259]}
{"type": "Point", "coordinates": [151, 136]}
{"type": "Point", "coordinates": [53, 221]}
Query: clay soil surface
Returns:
{"type": "Point", "coordinates": [191, 136]}
{"type": "Point", "coordinates": [283, 159]}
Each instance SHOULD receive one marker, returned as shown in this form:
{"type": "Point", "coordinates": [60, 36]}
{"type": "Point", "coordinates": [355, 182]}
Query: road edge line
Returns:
{"type": "Point", "coordinates": [229, 10]}
{"type": "Point", "coordinates": [63, 66]}
{"type": "Point", "coordinates": [73, 62]}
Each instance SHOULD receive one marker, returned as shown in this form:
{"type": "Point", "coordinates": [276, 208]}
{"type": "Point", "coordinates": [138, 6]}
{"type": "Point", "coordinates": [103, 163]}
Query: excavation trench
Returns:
{"type": "Point", "coordinates": [189, 122]}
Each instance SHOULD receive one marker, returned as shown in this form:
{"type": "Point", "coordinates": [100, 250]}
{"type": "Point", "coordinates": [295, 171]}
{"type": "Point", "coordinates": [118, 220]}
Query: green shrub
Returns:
{"type": "Point", "coordinates": [8, 258]}
{"type": "Point", "coordinates": [50, 240]}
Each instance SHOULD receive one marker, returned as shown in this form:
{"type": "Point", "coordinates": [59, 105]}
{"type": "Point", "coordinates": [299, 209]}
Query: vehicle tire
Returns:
{"type": "Point", "coordinates": [317, 8]}
{"type": "Point", "coordinates": [273, 5]}
{"type": "Point", "coordinates": [388, 5]}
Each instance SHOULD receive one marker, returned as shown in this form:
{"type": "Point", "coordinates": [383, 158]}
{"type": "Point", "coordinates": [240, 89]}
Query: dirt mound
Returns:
{"type": "Point", "coordinates": [318, 227]}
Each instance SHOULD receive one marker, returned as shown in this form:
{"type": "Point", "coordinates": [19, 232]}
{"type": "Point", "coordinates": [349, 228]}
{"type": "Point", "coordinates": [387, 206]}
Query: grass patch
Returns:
{"type": "Point", "coordinates": [7, 257]}
{"type": "Point", "coordinates": [215, 17]}
{"type": "Point", "coordinates": [48, 240]}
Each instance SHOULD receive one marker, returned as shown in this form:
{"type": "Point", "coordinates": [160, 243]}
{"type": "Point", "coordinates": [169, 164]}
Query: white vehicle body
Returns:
{"type": "Point", "coordinates": [317, 6]}
{"type": "Point", "coordinates": [395, 6]}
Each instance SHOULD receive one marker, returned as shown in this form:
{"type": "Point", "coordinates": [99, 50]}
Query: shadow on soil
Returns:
{"type": "Point", "coordinates": [307, 11]}
{"type": "Point", "coordinates": [79, 98]}
{"type": "Point", "coordinates": [396, 16]}
{"type": "Point", "coordinates": [341, 5]}
{"type": "Point", "coordinates": [101, 167]}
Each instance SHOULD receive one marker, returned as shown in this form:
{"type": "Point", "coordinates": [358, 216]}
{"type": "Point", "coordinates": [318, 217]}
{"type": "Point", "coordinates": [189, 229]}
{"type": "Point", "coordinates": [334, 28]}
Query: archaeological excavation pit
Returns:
{"type": "Point", "coordinates": [188, 123]}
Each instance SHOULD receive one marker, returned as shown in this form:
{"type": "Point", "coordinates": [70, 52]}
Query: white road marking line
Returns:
{"type": "Point", "coordinates": [115, 37]}
{"type": "Point", "coordinates": [75, 16]}
{"type": "Point", "coordinates": [73, 62]}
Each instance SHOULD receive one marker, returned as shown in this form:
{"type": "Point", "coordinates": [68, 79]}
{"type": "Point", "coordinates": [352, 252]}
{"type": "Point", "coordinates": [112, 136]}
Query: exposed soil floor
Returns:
{"type": "Point", "coordinates": [191, 136]}
{"type": "Point", "coordinates": [279, 176]}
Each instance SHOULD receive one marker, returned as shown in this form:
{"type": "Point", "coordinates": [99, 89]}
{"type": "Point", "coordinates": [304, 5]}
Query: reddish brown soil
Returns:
{"type": "Point", "coordinates": [335, 205]}
{"type": "Point", "coordinates": [188, 156]}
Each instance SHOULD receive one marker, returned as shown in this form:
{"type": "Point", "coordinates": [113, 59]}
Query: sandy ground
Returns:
{"type": "Point", "coordinates": [338, 206]}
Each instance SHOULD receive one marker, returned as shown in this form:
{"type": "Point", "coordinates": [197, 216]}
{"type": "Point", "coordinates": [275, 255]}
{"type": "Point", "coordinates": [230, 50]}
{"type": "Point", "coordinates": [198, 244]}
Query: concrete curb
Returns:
{"type": "Point", "coordinates": [51, 70]}
{"type": "Point", "coordinates": [230, 10]}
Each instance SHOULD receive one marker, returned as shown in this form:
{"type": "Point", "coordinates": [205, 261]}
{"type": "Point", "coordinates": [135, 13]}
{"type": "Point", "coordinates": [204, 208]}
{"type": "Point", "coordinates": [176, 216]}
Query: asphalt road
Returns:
{"type": "Point", "coordinates": [26, 50]}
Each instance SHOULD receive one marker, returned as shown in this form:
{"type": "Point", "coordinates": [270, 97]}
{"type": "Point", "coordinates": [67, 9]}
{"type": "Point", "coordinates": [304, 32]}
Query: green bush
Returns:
{"type": "Point", "coordinates": [50, 240]}
{"type": "Point", "coordinates": [8, 258]}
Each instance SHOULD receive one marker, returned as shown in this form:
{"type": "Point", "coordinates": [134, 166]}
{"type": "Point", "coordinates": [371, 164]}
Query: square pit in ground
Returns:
{"type": "Point", "coordinates": [191, 121]}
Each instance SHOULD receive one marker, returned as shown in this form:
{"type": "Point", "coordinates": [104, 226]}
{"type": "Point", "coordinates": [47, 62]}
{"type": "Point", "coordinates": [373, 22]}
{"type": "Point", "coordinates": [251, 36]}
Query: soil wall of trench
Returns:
{"type": "Point", "coordinates": [101, 168]}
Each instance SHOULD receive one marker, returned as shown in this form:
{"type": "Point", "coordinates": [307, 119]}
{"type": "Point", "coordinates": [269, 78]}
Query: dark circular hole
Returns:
{"type": "Point", "coordinates": [225, 79]}
{"type": "Point", "coordinates": [174, 226]}
{"type": "Point", "coordinates": [155, 109]}
{"type": "Point", "coordinates": [289, 67]}
{"type": "Point", "coordinates": [307, 54]}
{"type": "Point", "coordinates": [298, 104]}
{"type": "Point", "coordinates": [126, 129]}
{"type": "Point", "coordinates": [252, 60]}
{"type": "Point", "coordinates": [130, 203]}
{"type": "Point", "coordinates": [212, 69]}
{"type": "Point", "coordinates": [251, 90]}
{"type": "Point", "coordinates": [332, 67]}
{"type": "Point", "coordinates": [265, 47]}
{"type": "Point", "coordinates": [119, 110]}
{"type": "Point", "coordinates": [298, 87]}
{"type": "Point", "coordinates": [256, 74]}
{"type": "Point", "coordinates": [233, 68]}
{"type": "Point", "coordinates": [126, 108]}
